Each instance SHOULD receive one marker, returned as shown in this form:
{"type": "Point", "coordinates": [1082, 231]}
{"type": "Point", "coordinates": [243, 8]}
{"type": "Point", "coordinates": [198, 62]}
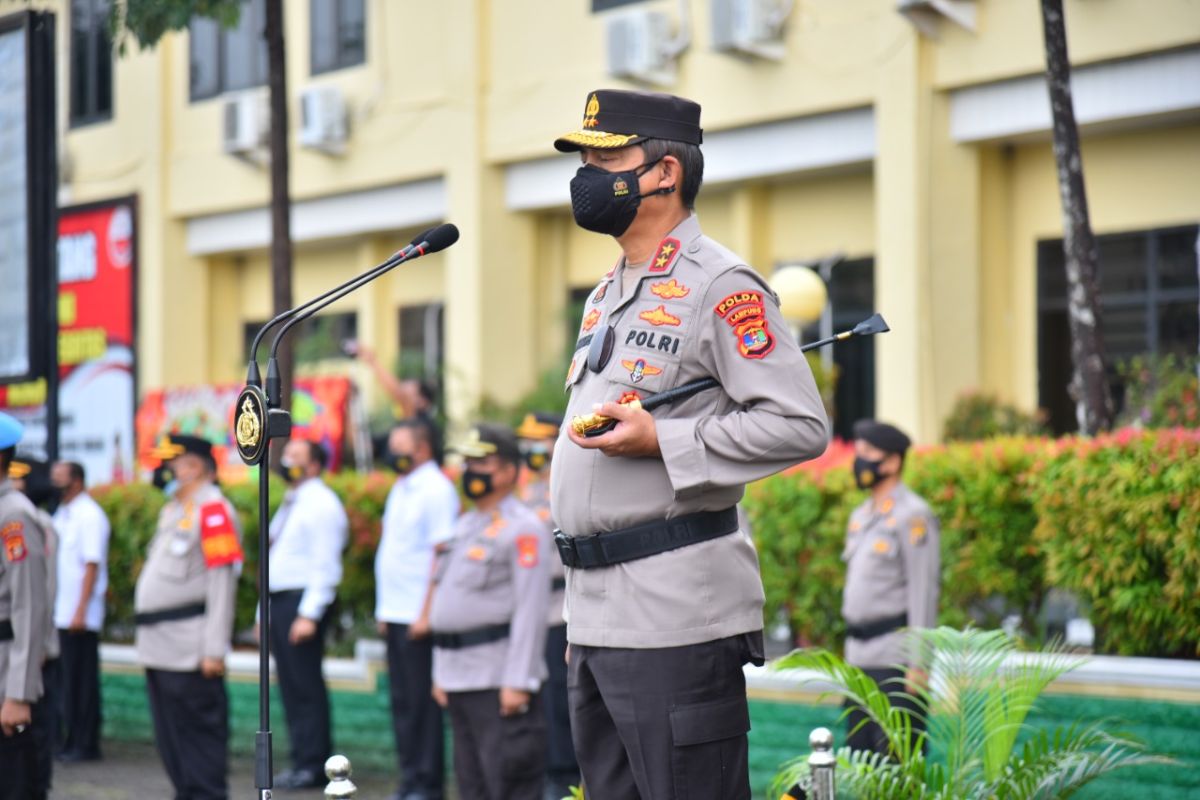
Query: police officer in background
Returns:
{"type": "Point", "coordinates": [420, 514]}
{"type": "Point", "coordinates": [308, 533]}
{"type": "Point", "coordinates": [537, 433]}
{"type": "Point", "coordinates": [892, 560]}
{"type": "Point", "coordinates": [664, 598]}
{"type": "Point", "coordinates": [487, 609]}
{"type": "Point", "coordinates": [31, 477]}
{"type": "Point", "coordinates": [25, 623]}
{"type": "Point", "coordinates": [183, 607]}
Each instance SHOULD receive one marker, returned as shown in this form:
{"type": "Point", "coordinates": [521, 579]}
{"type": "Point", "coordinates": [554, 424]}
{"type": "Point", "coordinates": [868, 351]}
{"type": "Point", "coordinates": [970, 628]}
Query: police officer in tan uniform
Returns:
{"type": "Point", "coordinates": [487, 611]}
{"type": "Point", "coordinates": [537, 434]}
{"type": "Point", "coordinates": [24, 626]}
{"type": "Point", "coordinates": [183, 604]}
{"type": "Point", "coordinates": [892, 560]}
{"type": "Point", "coordinates": [664, 598]}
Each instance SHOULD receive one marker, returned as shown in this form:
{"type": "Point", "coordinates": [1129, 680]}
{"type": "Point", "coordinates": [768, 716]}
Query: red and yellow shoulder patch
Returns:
{"type": "Point", "coordinates": [14, 541]}
{"type": "Point", "coordinates": [218, 537]}
{"type": "Point", "coordinates": [746, 314]}
{"type": "Point", "coordinates": [527, 550]}
{"type": "Point", "coordinates": [667, 250]}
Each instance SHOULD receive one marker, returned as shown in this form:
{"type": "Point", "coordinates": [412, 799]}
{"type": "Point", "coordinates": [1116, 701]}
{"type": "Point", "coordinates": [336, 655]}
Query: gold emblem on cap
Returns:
{"type": "Point", "coordinates": [589, 115]}
{"type": "Point", "coordinates": [249, 426]}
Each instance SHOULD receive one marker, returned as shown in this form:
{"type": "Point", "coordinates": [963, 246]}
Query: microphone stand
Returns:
{"type": "Point", "coordinates": [258, 419]}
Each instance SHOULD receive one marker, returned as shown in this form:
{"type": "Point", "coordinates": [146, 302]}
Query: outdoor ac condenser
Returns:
{"type": "Point", "coordinates": [639, 44]}
{"type": "Point", "coordinates": [323, 119]}
{"type": "Point", "coordinates": [749, 27]}
{"type": "Point", "coordinates": [245, 126]}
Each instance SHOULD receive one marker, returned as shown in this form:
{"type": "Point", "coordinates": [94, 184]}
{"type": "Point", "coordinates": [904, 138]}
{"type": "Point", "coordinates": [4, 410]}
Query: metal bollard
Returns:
{"type": "Point", "coordinates": [337, 769]}
{"type": "Point", "coordinates": [821, 764]}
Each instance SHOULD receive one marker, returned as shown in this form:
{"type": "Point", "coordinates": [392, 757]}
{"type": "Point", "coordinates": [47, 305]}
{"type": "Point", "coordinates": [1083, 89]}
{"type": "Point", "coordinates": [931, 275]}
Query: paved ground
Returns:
{"type": "Point", "coordinates": [132, 771]}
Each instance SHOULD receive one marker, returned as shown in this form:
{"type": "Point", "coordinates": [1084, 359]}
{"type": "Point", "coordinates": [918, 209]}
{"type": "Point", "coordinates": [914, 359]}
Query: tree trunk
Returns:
{"type": "Point", "coordinates": [1089, 381]}
{"type": "Point", "coordinates": [281, 232]}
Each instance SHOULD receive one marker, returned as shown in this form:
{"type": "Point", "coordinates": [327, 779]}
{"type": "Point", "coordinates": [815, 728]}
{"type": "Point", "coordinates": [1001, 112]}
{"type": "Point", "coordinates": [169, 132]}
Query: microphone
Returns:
{"type": "Point", "coordinates": [252, 375]}
{"type": "Point", "coordinates": [432, 241]}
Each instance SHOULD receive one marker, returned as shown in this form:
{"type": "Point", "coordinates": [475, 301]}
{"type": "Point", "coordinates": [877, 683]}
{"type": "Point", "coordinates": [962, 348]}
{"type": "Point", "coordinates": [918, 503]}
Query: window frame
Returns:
{"type": "Point", "coordinates": [223, 35]}
{"type": "Point", "coordinates": [96, 35]}
{"type": "Point", "coordinates": [340, 61]}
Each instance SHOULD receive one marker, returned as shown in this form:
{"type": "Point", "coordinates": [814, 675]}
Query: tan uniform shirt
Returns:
{"type": "Point", "coordinates": [177, 573]}
{"type": "Point", "coordinates": [537, 496]}
{"type": "Point", "coordinates": [24, 600]}
{"type": "Point", "coordinates": [698, 311]}
{"type": "Point", "coordinates": [892, 560]}
{"type": "Point", "coordinates": [496, 570]}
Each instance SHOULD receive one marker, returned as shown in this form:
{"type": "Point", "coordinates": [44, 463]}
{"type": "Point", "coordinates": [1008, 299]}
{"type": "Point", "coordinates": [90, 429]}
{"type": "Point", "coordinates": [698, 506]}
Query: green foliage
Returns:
{"type": "Point", "coordinates": [974, 723]}
{"type": "Point", "coordinates": [148, 20]}
{"type": "Point", "coordinates": [1119, 524]}
{"type": "Point", "coordinates": [1162, 392]}
{"type": "Point", "coordinates": [982, 416]}
{"type": "Point", "coordinates": [547, 396]}
{"type": "Point", "coordinates": [133, 516]}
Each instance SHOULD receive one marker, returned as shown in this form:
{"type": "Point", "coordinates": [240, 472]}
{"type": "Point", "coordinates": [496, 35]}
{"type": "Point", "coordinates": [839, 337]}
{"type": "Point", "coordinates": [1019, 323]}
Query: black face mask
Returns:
{"type": "Point", "coordinates": [401, 463]}
{"type": "Point", "coordinates": [476, 484]}
{"type": "Point", "coordinates": [607, 202]}
{"type": "Point", "coordinates": [866, 472]}
{"type": "Point", "coordinates": [291, 472]}
{"type": "Point", "coordinates": [536, 458]}
{"type": "Point", "coordinates": [162, 476]}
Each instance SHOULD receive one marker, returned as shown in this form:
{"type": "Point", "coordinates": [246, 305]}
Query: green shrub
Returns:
{"type": "Point", "coordinates": [983, 416]}
{"type": "Point", "coordinates": [1162, 392]}
{"type": "Point", "coordinates": [1119, 524]}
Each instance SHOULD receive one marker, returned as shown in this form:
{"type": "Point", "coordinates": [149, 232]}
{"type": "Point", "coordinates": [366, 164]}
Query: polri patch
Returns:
{"type": "Point", "coordinates": [754, 339]}
{"type": "Point", "coordinates": [738, 299]}
{"type": "Point", "coordinates": [218, 537]}
{"type": "Point", "coordinates": [527, 550]}
{"type": "Point", "coordinates": [14, 541]}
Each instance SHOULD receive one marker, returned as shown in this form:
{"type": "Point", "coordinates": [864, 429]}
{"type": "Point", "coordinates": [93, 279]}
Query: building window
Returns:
{"type": "Point", "coordinates": [338, 34]}
{"type": "Point", "coordinates": [317, 339]}
{"type": "Point", "coordinates": [91, 62]}
{"type": "Point", "coordinates": [228, 59]}
{"type": "Point", "coordinates": [1149, 294]}
{"type": "Point", "coordinates": [421, 341]}
{"type": "Point", "coordinates": [605, 5]}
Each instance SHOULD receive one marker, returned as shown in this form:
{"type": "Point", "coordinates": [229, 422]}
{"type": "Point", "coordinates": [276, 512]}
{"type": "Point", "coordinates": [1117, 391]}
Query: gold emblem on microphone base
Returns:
{"type": "Point", "coordinates": [249, 426]}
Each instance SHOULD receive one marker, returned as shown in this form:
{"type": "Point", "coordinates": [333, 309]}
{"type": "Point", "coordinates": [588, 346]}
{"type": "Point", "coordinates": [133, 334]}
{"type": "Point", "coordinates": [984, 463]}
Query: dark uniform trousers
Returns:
{"type": "Point", "coordinates": [80, 692]}
{"type": "Point", "coordinates": [48, 722]}
{"type": "Point", "coordinates": [495, 757]}
{"type": "Point", "coordinates": [301, 684]}
{"type": "Point", "coordinates": [191, 730]}
{"type": "Point", "coordinates": [663, 724]}
{"type": "Point", "coordinates": [561, 766]}
{"type": "Point", "coordinates": [416, 717]}
{"type": "Point", "coordinates": [870, 736]}
{"type": "Point", "coordinates": [20, 772]}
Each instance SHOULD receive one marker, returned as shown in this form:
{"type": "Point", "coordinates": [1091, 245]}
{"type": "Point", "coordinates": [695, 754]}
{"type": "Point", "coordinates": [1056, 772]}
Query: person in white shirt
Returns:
{"type": "Point", "coordinates": [419, 516]}
{"type": "Point", "coordinates": [308, 533]}
{"type": "Point", "coordinates": [83, 532]}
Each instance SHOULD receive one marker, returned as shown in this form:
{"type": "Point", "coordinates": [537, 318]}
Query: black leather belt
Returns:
{"type": "Point", "coordinates": [6, 631]}
{"type": "Point", "coordinates": [558, 584]}
{"type": "Point", "coordinates": [647, 539]}
{"type": "Point", "coordinates": [872, 630]}
{"type": "Point", "coordinates": [457, 641]}
{"type": "Point", "coordinates": [169, 614]}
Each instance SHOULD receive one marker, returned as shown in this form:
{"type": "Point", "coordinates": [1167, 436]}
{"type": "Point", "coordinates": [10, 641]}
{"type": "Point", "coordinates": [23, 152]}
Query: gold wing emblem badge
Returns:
{"type": "Point", "coordinates": [249, 426]}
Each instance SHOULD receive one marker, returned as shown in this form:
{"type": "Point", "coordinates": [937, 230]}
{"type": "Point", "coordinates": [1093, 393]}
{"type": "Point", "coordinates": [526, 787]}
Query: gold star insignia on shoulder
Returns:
{"type": "Point", "coordinates": [668, 249]}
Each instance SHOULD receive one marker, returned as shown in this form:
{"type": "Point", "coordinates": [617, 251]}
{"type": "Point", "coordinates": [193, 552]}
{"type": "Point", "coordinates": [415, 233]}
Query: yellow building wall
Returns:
{"type": "Point", "coordinates": [1135, 181]}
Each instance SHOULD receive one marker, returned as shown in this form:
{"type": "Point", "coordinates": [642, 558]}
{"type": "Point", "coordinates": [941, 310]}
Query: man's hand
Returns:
{"type": "Point", "coordinates": [419, 629]}
{"type": "Point", "coordinates": [634, 437]}
{"type": "Point", "coordinates": [916, 678]}
{"type": "Point", "coordinates": [212, 667]}
{"type": "Point", "coordinates": [79, 621]}
{"type": "Point", "coordinates": [302, 630]}
{"type": "Point", "coordinates": [513, 702]}
{"type": "Point", "coordinates": [14, 714]}
{"type": "Point", "coordinates": [567, 655]}
{"type": "Point", "coordinates": [439, 695]}
{"type": "Point", "coordinates": [381, 627]}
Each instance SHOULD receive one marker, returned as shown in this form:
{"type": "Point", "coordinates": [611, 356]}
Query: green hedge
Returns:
{"type": "Point", "coordinates": [1115, 520]}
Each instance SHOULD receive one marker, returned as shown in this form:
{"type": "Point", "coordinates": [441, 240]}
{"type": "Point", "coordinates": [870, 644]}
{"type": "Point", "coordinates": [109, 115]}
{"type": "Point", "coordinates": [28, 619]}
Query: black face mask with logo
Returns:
{"type": "Point", "coordinates": [476, 484]}
{"type": "Point", "coordinates": [401, 463]}
{"type": "Point", "coordinates": [867, 473]}
{"type": "Point", "coordinates": [607, 202]}
{"type": "Point", "coordinates": [292, 473]}
{"type": "Point", "coordinates": [537, 458]}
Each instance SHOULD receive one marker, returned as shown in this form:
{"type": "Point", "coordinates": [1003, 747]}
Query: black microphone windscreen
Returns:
{"type": "Point", "coordinates": [441, 237]}
{"type": "Point", "coordinates": [422, 236]}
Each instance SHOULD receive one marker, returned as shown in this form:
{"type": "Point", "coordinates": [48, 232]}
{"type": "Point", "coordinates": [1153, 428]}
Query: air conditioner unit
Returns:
{"type": "Point", "coordinates": [639, 47]}
{"type": "Point", "coordinates": [749, 27]}
{"type": "Point", "coordinates": [244, 132]}
{"type": "Point", "coordinates": [323, 119]}
{"type": "Point", "coordinates": [926, 15]}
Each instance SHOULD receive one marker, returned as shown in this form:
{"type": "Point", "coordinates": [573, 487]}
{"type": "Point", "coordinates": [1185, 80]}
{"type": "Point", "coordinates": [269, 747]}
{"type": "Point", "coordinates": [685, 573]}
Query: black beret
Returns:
{"type": "Point", "coordinates": [886, 437]}
{"type": "Point", "coordinates": [176, 444]}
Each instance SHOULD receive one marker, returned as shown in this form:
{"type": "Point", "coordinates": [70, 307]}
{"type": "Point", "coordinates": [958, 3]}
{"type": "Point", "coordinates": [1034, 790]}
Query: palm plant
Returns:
{"type": "Point", "coordinates": [975, 713]}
